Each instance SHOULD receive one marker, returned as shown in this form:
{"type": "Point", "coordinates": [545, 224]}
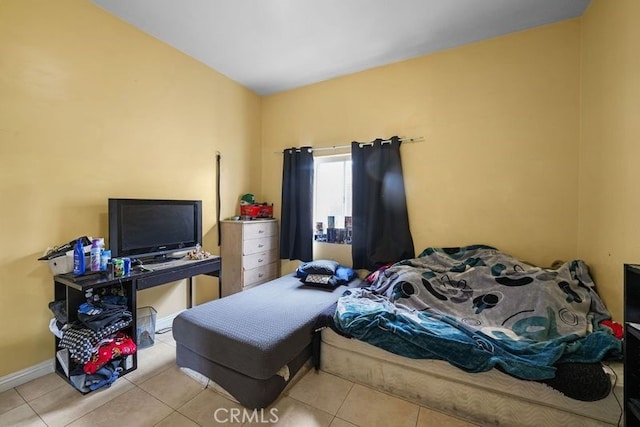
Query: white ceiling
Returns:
{"type": "Point", "coordinates": [275, 45]}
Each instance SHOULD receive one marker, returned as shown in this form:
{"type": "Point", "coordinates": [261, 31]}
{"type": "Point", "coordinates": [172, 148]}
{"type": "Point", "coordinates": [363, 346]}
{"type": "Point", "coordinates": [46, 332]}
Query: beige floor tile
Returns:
{"type": "Point", "coordinates": [288, 412]}
{"type": "Point", "coordinates": [321, 390]}
{"type": "Point", "coordinates": [153, 360]}
{"type": "Point", "coordinates": [10, 399]}
{"type": "Point", "coordinates": [209, 406]}
{"type": "Point", "coordinates": [134, 408]}
{"type": "Point", "coordinates": [367, 407]}
{"type": "Point", "coordinates": [22, 416]}
{"type": "Point", "coordinates": [298, 376]}
{"type": "Point", "coordinates": [172, 387]}
{"type": "Point", "coordinates": [196, 376]}
{"type": "Point", "coordinates": [338, 422]}
{"type": "Point", "coordinates": [40, 386]}
{"type": "Point", "coordinates": [166, 338]}
{"type": "Point", "coordinates": [176, 419]}
{"type": "Point", "coordinates": [431, 418]}
{"type": "Point", "coordinates": [220, 390]}
{"type": "Point", "coordinates": [65, 404]}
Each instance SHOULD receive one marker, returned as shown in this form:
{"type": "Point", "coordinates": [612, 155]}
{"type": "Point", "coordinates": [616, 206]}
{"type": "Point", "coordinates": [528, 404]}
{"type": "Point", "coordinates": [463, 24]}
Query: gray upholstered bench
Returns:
{"type": "Point", "coordinates": [252, 343]}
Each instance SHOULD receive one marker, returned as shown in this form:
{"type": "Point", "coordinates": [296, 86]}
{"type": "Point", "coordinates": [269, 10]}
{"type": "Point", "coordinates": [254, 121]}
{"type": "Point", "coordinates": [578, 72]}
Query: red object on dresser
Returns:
{"type": "Point", "coordinates": [257, 210]}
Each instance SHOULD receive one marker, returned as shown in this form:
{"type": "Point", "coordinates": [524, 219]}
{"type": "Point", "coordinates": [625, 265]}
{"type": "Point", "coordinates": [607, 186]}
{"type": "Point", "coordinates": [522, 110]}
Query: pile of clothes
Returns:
{"type": "Point", "coordinates": [95, 342]}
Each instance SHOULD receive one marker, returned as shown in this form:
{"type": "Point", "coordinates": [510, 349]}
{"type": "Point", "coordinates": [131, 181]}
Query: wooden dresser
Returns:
{"type": "Point", "coordinates": [249, 254]}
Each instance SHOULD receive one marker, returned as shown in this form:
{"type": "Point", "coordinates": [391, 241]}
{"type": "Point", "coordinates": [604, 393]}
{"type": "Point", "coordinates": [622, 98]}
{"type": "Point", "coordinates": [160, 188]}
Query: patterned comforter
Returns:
{"type": "Point", "coordinates": [479, 308]}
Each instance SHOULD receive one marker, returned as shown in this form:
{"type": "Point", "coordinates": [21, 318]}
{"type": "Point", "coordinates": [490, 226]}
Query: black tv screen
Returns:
{"type": "Point", "coordinates": [145, 228]}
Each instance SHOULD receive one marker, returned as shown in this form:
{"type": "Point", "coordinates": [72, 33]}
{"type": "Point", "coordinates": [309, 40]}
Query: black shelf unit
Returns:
{"type": "Point", "coordinates": [72, 290]}
{"type": "Point", "coordinates": [631, 345]}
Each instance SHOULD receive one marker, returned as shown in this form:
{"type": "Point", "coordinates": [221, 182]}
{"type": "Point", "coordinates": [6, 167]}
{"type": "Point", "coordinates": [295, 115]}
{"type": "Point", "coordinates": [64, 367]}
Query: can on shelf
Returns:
{"type": "Point", "coordinates": [118, 267]}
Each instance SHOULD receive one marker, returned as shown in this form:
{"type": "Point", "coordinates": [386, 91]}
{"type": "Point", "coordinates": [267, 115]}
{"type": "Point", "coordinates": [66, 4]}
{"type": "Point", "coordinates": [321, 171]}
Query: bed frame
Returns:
{"type": "Point", "coordinates": [487, 398]}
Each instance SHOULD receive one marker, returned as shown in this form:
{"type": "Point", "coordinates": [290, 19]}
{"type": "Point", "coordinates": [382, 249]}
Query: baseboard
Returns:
{"type": "Point", "coordinates": [47, 367]}
{"type": "Point", "coordinates": [166, 322]}
{"type": "Point", "coordinates": [25, 375]}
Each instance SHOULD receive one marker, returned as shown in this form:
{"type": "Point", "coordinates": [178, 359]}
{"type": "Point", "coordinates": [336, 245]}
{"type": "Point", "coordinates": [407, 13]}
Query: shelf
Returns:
{"type": "Point", "coordinates": [71, 289]}
{"type": "Point", "coordinates": [634, 406]}
{"type": "Point", "coordinates": [632, 345]}
{"type": "Point", "coordinates": [633, 329]}
{"type": "Point", "coordinates": [128, 363]}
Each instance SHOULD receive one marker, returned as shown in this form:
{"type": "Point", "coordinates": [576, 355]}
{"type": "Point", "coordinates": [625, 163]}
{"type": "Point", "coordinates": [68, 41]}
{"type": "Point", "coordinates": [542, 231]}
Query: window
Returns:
{"type": "Point", "coordinates": [332, 199]}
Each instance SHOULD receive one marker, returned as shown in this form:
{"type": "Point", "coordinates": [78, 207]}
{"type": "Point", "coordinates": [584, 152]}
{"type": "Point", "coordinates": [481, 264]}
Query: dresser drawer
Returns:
{"type": "Point", "coordinates": [254, 246]}
{"type": "Point", "coordinates": [259, 229]}
{"type": "Point", "coordinates": [256, 260]}
{"type": "Point", "coordinates": [259, 274]}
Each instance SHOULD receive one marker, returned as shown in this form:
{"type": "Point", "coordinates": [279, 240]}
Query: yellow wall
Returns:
{"type": "Point", "coordinates": [500, 118]}
{"type": "Point", "coordinates": [92, 108]}
{"type": "Point", "coordinates": [609, 214]}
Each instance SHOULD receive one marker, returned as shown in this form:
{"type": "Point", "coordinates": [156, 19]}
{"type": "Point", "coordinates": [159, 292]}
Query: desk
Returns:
{"type": "Point", "coordinates": [171, 271]}
{"type": "Point", "coordinates": [72, 290]}
{"type": "Point", "coordinates": [154, 275]}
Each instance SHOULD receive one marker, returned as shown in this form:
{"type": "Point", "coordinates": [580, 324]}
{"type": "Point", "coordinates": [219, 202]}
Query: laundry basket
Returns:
{"type": "Point", "coordinates": [146, 329]}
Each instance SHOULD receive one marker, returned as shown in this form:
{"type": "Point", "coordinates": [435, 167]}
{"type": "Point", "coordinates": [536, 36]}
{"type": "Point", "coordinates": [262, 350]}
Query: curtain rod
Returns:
{"type": "Point", "coordinates": [362, 144]}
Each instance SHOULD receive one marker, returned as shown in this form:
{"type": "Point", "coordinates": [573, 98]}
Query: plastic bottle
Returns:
{"type": "Point", "coordinates": [95, 255]}
{"type": "Point", "coordinates": [78, 258]}
{"type": "Point", "coordinates": [105, 256]}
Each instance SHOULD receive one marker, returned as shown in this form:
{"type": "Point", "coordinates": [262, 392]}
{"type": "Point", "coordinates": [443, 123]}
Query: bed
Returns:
{"type": "Point", "coordinates": [485, 398]}
{"type": "Point", "coordinates": [459, 329]}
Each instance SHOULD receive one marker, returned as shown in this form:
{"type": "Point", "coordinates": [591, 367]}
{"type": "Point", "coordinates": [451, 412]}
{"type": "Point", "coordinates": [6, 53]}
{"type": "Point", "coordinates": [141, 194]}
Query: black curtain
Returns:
{"type": "Point", "coordinates": [296, 235]}
{"type": "Point", "coordinates": [381, 231]}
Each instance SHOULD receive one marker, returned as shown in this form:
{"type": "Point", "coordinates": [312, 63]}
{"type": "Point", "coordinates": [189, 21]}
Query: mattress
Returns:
{"type": "Point", "coordinates": [488, 398]}
{"type": "Point", "coordinates": [258, 331]}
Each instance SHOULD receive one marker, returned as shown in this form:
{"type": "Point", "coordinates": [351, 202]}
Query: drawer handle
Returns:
{"type": "Point", "coordinates": [260, 245]}
{"type": "Point", "coordinates": [261, 274]}
{"type": "Point", "coordinates": [260, 260]}
{"type": "Point", "coordinates": [260, 231]}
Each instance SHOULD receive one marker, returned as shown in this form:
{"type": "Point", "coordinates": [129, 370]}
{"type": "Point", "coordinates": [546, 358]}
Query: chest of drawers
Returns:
{"type": "Point", "coordinates": [249, 253]}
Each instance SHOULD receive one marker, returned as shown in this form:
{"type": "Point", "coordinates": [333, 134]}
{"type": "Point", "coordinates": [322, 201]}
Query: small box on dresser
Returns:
{"type": "Point", "coordinates": [249, 254]}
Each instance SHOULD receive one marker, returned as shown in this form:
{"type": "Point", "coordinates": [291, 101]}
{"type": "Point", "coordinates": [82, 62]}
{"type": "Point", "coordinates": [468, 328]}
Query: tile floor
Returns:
{"type": "Point", "coordinates": [159, 394]}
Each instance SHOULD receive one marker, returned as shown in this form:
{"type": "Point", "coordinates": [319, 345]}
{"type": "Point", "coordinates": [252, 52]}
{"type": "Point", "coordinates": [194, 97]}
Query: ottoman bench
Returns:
{"type": "Point", "coordinates": [253, 342]}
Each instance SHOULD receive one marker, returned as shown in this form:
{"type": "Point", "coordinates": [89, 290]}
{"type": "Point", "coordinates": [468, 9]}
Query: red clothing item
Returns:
{"type": "Point", "coordinates": [615, 327]}
{"type": "Point", "coordinates": [122, 345]}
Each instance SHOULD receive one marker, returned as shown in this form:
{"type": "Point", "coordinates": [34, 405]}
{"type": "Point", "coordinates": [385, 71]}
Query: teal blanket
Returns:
{"type": "Point", "coordinates": [479, 308]}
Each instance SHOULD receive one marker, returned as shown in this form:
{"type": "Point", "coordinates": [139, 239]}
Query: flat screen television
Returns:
{"type": "Point", "coordinates": [148, 229]}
